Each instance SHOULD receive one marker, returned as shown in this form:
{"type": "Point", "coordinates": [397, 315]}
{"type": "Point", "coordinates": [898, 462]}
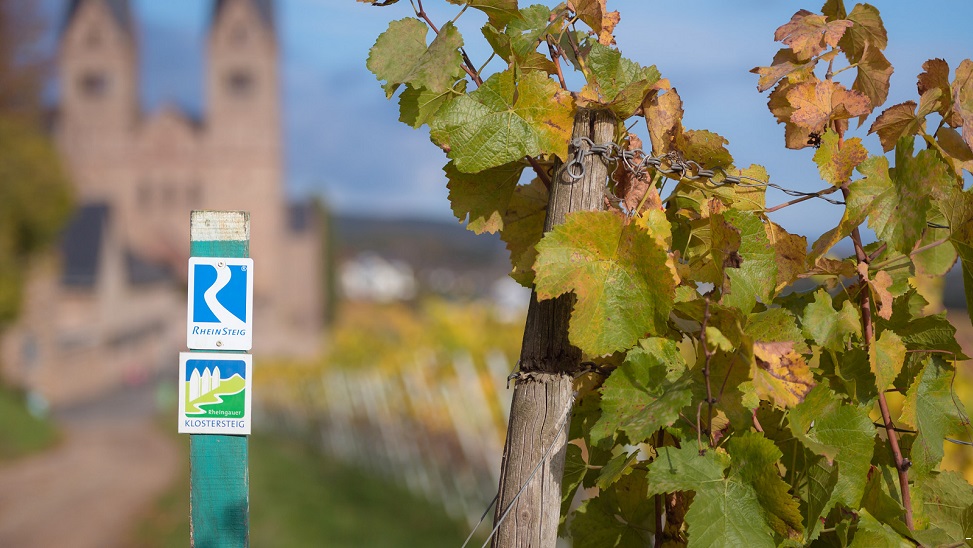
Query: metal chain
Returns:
{"type": "Point", "coordinates": [670, 164]}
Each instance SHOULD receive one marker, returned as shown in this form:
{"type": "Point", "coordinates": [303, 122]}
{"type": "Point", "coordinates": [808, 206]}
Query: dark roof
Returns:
{"type": "Point", "coordinates": [144, 272]}
{"type": "Point", "coordinates": [265, 9]}
{"type": "Point", "coordinates": [119, 9]}
{"type": "Point", "coordinates": [82, 244]}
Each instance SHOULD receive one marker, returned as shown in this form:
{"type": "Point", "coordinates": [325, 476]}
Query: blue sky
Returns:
{"type": "Point", "coordinates": [343, 140]}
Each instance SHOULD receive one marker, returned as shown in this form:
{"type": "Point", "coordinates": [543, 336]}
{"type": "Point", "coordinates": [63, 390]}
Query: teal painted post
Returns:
{"type": "Point", "coordinates": [219, 475]}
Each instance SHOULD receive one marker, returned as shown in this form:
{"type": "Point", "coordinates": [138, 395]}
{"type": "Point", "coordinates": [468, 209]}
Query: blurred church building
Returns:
{"type": "Point", "coordinates": [109, 307]}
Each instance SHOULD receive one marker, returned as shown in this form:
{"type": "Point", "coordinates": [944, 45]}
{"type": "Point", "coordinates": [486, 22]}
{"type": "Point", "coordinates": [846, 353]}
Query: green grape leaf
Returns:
{"type": "Point", "coordinates": [499, 12]}
{"type": "Point", "coordinates": [780, 375]}
{"type": "Point", "coordinates": [840, 432]}
{"type": "Point", "coordinates": [728, 510]}
{"type": "Point", "coordinates": [821, 481]}
{"type": "Point", "coordinates": [751, 269]}
{"type": "Point", "coordinates": [744, 198]}
{"type": "Point", "coordinates": [776, 325]}
{"type": "Point", "coordinates": [808, 34]}
{"type": "Point", "coordinates": [526, 31]}
{"type": "Point", "coordinates": [899, 199]}
{"type": "Point", "coordinates": [872, 533]}
{"type": "Point", "coordinates": [504, 120]}
{"type": "Point", "coordinates": [932, 409]}
{"type": "Point", "coordinates": [575, 469]}
{"type": "Point", "coordinates": [617, 467]}
{"type": "Point", "coordinates": [939, 260]}
{"type": "Point", "coordinates": [754, 461]}
{"type": "Point", "coordinates": [830, 328]}
{"type": "Point", "coordinates": [618, 82]}
{"type": "Point", "coordinates": [483, 197]}
{"type": "Point", "coordinates": [836, 161]}
{"type": "Point", "coordinates": [400, 56]}
{"type": "Point", "coordinates": [639, 397]}
{"type": "Point", "coordinates": [523, 226]}
{"type": "Point", "coordinates": [932, 332]}
{"type": "Point", "coordinates": [886, 357]}
{"type": "Point", "coordinates": [619, 274]}
{"type": "Point", "coordinates": [622, 515]}
{"type": "Point", "coordinates": [945, 500]}
{"type": "Point", "coordinates": [418, 106]}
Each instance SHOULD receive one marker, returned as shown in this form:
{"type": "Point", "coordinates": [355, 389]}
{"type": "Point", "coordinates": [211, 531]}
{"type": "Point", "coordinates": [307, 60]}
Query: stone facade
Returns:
{"type": "Point", "coordinates": [110, 307]}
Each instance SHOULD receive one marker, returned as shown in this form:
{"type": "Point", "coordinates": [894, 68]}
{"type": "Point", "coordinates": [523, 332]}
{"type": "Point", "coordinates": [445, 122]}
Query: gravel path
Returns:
{"type": "Point", "coordinates": [112, 463]}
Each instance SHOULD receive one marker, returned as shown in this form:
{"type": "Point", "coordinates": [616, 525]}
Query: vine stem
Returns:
{"type": "Point", "coordinates": [556, 59]}
{"type": "Point", "coordinates": [915, 251]}
{"type": "Point", "coordinates": [817, 194]}
{"type": "Point", "coordinates": [868, 328]}
{"type": "Point", "coordinates": [707, 355]}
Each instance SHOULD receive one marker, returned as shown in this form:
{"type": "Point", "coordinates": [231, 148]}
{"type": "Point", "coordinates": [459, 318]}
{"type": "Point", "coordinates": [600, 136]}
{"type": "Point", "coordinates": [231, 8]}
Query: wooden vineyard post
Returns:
{"type": "Point", "coordinates": [542, 400]}
{"type": "Point", "coordinates": [219, 474]}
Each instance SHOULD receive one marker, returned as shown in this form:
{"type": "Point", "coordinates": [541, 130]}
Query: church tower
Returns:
{"type": "Point", "coordinates": [99, 92]}
{"type": "Point", "coordinates": [243, 125]}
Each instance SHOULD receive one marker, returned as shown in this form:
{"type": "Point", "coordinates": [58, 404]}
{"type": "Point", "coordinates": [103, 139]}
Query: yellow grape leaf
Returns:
{"type": "Point", "coordinates": [790, 253]}
{"type": "Point", "coordinates": [837, 160]}
{"type": "Point", "coordinates": [780, 375]}
{"type": "Point", "coordinates": [963, 98]}
{"type": "Point", "coordinates": [523, 225]}
{"type": "Point", "coordinates": [880, 290]}
{"type": "Point", "coordinates": [663, 116]}
{"type": "Point", "coordinates": [885, 357]}
{"type": "Point", "coordinates": [618, 273]}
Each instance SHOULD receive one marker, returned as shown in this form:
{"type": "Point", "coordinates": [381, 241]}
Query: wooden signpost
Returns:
{"type": "Point", "coordinates": [219, 473]}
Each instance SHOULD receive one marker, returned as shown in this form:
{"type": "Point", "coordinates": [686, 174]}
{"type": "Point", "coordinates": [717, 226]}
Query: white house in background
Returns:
{"type": "Point", "coordinates": [370, 277]}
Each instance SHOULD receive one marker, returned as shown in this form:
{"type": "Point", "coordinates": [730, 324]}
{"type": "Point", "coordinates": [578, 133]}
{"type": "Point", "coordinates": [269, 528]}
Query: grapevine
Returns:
{"type": "Point", "coordinates": [737, 386]}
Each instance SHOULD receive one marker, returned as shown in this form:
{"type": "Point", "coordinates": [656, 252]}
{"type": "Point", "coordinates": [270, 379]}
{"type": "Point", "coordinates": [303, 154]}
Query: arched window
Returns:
{"type": "Point", "coordinates": [94, 84]}
{"type": "Point", "coordinates": [240, 83]}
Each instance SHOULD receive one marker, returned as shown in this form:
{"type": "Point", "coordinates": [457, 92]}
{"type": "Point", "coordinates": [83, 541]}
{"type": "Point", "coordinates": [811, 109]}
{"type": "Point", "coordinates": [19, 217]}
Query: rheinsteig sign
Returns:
{"type": "Point", "coordinates": [220, 306]}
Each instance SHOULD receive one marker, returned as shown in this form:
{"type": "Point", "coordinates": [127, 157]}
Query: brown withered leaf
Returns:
{"type": "Point", "coordinates": [895, 122]}
{"type": "Point", "coordinates": [790, 253]}
{"type": "Point", "coordinates": [874, 73]}
{"type": "Point", "coordinates": [963, 98]}
{"type": "Point", "coordinates": [785, 63]}
{"type": "Point", "coordinates": [795, 137]}
{"type": "Point", "coordinates": [832, 267]}
{"type": "Point", "coordinates": [879, 285]}
{"type": "Point", "coordinates": [935, 75]}
{"type": "Point", "coordinates": [820, 102]}
{"type": "Point", "coordinates": [608, 23]}
{"type": "Point", "coordinates": [959, 152]}
{"type": "Point", "coordinates": [808, 34]}
{"type": "Point", "coordinates": [780, 374]}
{"type": "Point", "coordinates": [630, 187]}
{"type": "Point", "coordinates": [595, 14]}
{"type": "Point", "coordinates": [663, 116]}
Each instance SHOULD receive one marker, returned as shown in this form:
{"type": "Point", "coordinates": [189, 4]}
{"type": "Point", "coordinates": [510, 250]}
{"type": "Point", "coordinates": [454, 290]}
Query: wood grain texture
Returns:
{"type": "Point", "coordinates": [219, 465]}
{"type": "Point", "coordinates": [543, 394]}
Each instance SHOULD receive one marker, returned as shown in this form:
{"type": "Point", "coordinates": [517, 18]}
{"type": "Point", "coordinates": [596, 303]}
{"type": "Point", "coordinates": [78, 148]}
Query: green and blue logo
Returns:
{"type": "Point", "coordinates": [215, 388]}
